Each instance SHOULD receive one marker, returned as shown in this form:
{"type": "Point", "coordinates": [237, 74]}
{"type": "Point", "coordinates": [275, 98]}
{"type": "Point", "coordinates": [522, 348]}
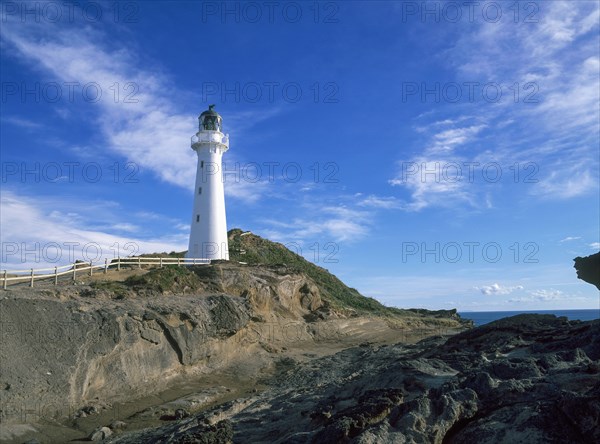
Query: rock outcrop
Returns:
{"type": "Point", "coordinates": [59, 354]}
{"type": "Point", "coordinates": [528, 378]}
{"type": "Point", "coordinates": [588, 269]}
{"type": "Point", "coordinates": [74, 350]}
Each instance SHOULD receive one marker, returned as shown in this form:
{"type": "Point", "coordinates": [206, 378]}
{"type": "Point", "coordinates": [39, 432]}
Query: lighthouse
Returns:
{"type": "Point", "coordinates": [208, 233]}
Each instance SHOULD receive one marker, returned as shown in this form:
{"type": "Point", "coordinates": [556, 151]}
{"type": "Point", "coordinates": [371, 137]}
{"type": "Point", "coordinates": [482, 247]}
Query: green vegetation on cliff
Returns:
{"type": "Point", "coordinates": [170, 278]}
{"type": "Point", "coordinates": [255, 250]}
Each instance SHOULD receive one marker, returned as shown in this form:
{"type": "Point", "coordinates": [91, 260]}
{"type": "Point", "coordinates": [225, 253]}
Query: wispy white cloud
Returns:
{"type": "Point", "coordinates": [246, 191]}
{"type": "Point", "coordinates": [326, 224]}
{"type": "Point", "coordinates": [126, 227]}
{"type": "Point", "coordinates": [567, 183]}
{"type": "Point", "coordinates": [570, 238]}
{"type": "Point", "coordinates": [544, 295]}
{"type": "Point", "coordinates": [595, 245]}
{"type": "Point", "coordinates": [21, 122]}
{"type": "Point", "coordinates": [431, 176]}
{"type": "Point", "coordinates": [144, 124]}
{"type": "Point", "coordinates": [497, 289]}
{"type": "Point", "coordinates": [37, 232]}
{"type": "Point", "coordinates": [428, 188]}
{"type": "Point", "coordinates": [553, 122]}
{"type": "Point", "coordinates": [383, 202]}
{"type": "Point", "coordinates": [559, 53]}
{"type": "Point", "coordinates": [447, 140]}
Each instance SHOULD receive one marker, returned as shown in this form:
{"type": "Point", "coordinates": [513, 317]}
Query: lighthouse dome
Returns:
{"type": "Point", "coordinates": [210, 120]}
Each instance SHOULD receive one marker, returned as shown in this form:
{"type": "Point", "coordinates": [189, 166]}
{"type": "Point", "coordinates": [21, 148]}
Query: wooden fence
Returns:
{"type": "Point", "coordinates": [77, 268]}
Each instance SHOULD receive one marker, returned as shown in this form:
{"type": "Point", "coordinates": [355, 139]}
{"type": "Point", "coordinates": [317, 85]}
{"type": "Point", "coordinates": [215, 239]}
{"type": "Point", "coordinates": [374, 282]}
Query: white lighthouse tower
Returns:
{"type": "Point", "coordinates": [208, 234]}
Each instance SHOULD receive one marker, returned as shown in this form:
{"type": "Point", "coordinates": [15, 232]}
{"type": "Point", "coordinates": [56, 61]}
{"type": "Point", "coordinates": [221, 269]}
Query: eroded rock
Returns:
{"type": "Point", "coordinates": [518, 381]}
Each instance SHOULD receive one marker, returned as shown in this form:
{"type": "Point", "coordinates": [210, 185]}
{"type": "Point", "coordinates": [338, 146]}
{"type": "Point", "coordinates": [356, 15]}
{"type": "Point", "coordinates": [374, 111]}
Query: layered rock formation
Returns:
{"type": "Point", "coordinates": [271, 348]}
{"type": "Point", "coordinates": [73, 351]}
{"type": "Point", "coordinates": [529, 379]}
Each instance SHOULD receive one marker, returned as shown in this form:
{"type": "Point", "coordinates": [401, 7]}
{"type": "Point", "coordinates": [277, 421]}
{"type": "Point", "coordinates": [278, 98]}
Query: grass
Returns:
{"type": "Point", "coordinates": [170, 278]}
{"type": "Point", "coordinates": [119, 289]}
{"type": "Point", "coordinates": [255, 250]}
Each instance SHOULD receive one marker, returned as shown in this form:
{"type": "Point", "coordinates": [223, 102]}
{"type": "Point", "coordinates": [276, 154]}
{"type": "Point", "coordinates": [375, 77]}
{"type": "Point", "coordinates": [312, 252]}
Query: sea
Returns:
{"type": "Point", "coordinates": [485, 317]}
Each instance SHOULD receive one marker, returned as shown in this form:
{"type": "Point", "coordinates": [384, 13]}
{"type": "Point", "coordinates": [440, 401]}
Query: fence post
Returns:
{"type": "Point", "coordinates": [5, 274]}
{"type": "Point", "coordinates": [31, 283]}
{"type": "Point", "coordinates": [178, 261]}
{"type": "Point", "coordinates": [74, 270]}
{"type": "Point", "coordinates": [119, 263]}
{"type": "Point", "coordinates": [161, 265]}
{"type": "Point", "coordinates": [55, 275]}
{"type": "Point", "coordinates": [91, 267]}
{"type": "Point", "coordinates": [139, 262]}
{"type": "Point", "coordinates": [105, 265]}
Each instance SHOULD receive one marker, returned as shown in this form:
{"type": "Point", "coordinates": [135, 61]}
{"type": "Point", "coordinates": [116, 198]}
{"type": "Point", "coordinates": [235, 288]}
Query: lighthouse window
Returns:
{"type": "Point", "coordinates": [201, 164]}
{"type": "Point", "coordinates": [197, 218]}
{"type": "Point", "coordinates": [199, 190]}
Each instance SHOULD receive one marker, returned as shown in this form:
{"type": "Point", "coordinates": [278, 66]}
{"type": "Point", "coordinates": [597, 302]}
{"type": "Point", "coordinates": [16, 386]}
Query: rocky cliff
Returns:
{"type": "Point", "coordinates": [73, 352]}
{"type": "Point", "coordinates": [525, 379]}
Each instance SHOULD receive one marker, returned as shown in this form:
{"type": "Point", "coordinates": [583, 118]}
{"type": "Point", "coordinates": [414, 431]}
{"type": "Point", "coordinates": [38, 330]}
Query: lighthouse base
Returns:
{"type": "Point", "coordinates": [208, 250]}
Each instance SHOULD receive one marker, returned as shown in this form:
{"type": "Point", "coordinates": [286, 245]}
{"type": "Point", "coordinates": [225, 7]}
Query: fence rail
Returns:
{"type": "Point", "coordinates": [76, 268]}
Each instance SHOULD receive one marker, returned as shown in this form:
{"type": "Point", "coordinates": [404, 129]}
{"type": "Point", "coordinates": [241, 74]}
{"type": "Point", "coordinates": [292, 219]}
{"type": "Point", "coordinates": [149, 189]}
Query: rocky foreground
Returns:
{"type": "Point", "coordinates": [525, 379]}
{"type": "Point", "coordinates": [269, 348]}
{"type": "Point", "coordinates": [79, 359]}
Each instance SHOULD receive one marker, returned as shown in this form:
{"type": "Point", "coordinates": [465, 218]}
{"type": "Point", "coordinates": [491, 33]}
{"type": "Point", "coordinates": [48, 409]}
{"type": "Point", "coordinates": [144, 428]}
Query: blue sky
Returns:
{"type": "Point", "coordinates": [436, 155]}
